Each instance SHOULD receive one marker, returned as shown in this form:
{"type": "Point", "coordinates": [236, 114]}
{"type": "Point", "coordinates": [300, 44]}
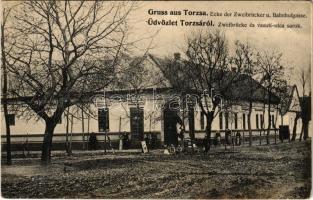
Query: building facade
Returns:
{"type": "Point", "coordinates": [140, 112]}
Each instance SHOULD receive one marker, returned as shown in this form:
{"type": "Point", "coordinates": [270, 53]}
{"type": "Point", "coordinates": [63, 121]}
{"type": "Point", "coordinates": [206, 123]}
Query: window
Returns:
{"type": "Point", "coordinates": [221, 120]}
{"type": "Point", "coordinates": [103, 119]}
{"type": "Point", "coordinates": [244, 121]}
{"type": "Point", "coordinates": [11, 119]}
{"type": "Point", "coordinates": [257, 121]}
{"type": "Point", "coordinates": [202, 120]}
{"type": "Point", "coordinates": [236, 120]}
{"type": "Point", "coordinates": [226, 120]}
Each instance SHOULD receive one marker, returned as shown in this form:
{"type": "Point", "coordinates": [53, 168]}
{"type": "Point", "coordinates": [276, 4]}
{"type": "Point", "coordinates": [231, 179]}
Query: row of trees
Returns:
{"type": "Point", "coordinates": [304, 77]}
{"type": "Point", "coordinates": [209, 66]}
{"type": "Point", "coordinates": [59, 53]}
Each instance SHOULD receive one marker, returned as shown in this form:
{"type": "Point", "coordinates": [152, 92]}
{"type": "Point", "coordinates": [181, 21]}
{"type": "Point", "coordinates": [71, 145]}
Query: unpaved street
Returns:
{"type": "Point", "coordinates": [275, 171]}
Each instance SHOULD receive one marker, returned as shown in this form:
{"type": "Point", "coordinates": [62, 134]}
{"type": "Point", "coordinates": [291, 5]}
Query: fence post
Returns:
{"type": "Point", "coordinates": [83, 129]}
{"type": "Point", "coordinates": [275, 135]}
{"type": "Point", "coordinates": [105, 142]}
{"type": "Point", "coordinates": [243, 138]}
{"type": "Point", "coordinates": [225, 140]}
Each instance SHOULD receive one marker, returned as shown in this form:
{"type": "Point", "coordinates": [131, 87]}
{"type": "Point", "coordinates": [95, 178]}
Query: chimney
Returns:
{"type": "Point", "coordinates": [177, 56]}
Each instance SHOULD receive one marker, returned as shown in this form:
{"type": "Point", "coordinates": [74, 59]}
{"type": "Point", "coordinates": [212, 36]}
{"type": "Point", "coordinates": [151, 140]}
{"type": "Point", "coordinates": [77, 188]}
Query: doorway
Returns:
{"type": "Point", "coordinates": [136, 123]}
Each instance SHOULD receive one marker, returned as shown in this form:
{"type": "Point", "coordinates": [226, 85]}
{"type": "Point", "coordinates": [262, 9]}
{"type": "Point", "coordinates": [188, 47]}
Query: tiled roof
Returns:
{"type": "Point", "coordinates": [238, 90]}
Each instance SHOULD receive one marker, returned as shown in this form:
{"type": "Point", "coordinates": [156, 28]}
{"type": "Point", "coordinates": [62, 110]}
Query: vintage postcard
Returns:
{"type": "Point", "coordinates": [156, 99]}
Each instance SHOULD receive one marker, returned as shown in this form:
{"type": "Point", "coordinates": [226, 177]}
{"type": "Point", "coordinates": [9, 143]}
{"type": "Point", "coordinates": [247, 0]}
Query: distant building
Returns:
{"type": "Point", "coordinates": [290, 110]}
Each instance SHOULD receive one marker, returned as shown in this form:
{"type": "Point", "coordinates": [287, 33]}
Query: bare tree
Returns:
{"type": "Point", "coordinates": [304, 79]}
{"type": "Point", "coordinates": [63, 52]}
{"type": "Point", "coordinates": [272, 72]}
{"type": "Point", "coordinates": [245, 58]}
{"type": "Point", "coordinates": [173, 71]}
{"type": "Point", "coordinates": [305, 103]}
{"type": "Point", "coordinates": [208, 73]}
{"type": "Point", "coordinates": [294, 129]}
{"type": "Point", "coordinates": [5, 15]}
{"type": "Point", "coordinates": [138, 75]}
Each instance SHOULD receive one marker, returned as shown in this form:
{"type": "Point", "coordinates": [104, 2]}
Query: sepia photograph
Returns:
{"type": "Point", "coordinates": [156, 99]}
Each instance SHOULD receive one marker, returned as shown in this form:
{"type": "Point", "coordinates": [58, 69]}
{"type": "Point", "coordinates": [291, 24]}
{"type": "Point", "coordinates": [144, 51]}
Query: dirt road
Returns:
{"type": "Point", "coordinates": [276, 171]}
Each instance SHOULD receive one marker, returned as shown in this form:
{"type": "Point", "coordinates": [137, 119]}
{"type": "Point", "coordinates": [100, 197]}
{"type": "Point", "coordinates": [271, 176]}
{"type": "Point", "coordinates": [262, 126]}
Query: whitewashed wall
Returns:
{"type": "Point", "coordinates": [121, 111]}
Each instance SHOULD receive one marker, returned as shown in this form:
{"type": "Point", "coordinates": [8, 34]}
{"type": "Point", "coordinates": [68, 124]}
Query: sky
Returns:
{"type": "Point", "coordinates": [293, 43]}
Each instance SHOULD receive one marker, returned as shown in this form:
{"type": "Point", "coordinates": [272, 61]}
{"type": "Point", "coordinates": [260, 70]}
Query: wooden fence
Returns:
{"type": "Point", "coordinates": [79, 141]}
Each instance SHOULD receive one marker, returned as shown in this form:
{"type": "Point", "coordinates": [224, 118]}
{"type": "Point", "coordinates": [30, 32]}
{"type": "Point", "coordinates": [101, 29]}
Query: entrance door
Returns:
{"type": "Point", "coordinates": [103, 119]}
{"type": "Point", "coordinates": [170, 131]}
{"type": "Point", "coordinates": [136, 123]}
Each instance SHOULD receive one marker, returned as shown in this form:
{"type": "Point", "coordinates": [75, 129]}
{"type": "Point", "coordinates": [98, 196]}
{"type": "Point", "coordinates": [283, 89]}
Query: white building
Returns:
{"type": "Point", "coordinates": [120, 112]}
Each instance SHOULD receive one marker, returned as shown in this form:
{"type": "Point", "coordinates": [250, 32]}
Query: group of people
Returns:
{"type": "Point", "coordinates": [231, 138]}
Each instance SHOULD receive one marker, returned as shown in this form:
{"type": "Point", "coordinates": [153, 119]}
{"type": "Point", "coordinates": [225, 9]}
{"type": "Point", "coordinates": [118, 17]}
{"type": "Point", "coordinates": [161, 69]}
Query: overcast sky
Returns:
{"type": "Point", "coordinates": [295, 44]}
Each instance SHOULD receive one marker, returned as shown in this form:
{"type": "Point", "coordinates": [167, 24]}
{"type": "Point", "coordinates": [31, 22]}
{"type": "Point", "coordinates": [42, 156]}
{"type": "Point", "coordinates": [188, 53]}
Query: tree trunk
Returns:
{"type": "Point", "coordinates": [249, 123]}
{"type": "Point", "coordinates": [47, 141]}
{"type": "Point", "coordinates": [208, 131]}
{"type": "Point", "coordinates": [83, 128]}
{"type": "Point", "coordinates": [250, 111]}
{"type": "Point", "coordinates": [191, 124]}
{"type": "Point", "coordinates": [67, 146]}
{"type": "Point", "coordinates": [6, 119]}
{"type": "Point", "coordinates": [8, 133]}
{"type": "Point", "coordinates": [71, 139]}
{"type": "Point", "coordinates": [305, 130]}
{"type": "Point", "coordinates": [301, 134]}
{"type": "Point", "coordinates": [294, 129]}
{"type": "Point", "coordinates": [269, 118]}
{"type": "Point", "coordinates": [5, 105]}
